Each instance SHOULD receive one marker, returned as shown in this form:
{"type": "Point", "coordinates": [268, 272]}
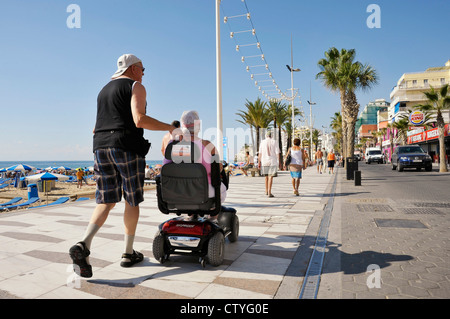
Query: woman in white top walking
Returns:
{"type": "Point", "coordinates": [298, 162]}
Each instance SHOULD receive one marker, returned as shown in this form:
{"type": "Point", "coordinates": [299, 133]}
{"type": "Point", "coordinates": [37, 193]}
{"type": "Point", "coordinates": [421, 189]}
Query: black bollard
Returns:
{"type": "Point", "coordinates": [357, 178]}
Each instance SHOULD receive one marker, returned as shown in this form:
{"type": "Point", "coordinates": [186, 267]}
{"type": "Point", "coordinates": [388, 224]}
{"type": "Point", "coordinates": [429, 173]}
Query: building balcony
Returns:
{"type": "Point", "coordinates": [403, 89]}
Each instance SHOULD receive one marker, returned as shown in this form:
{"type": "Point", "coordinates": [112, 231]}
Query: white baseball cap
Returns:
{"type": "Point", "coordinates": [124, 62]}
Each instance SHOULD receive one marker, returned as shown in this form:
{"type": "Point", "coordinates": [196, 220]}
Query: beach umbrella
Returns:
{"type": "Point", "coordinates": [46, 177]}
{"type": "Point", "coordinates": [62, 168]}
{"type": "Point", "coordinates": [20, 167]}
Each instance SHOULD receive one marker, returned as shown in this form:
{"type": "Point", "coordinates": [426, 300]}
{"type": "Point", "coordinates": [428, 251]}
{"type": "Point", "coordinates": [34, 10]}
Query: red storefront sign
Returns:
{"type": "Point", "coordinates": [427, 135]}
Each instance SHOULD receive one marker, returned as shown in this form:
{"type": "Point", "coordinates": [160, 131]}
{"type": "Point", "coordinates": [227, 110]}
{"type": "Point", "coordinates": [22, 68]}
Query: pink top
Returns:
{"type": "Point", "coordinates": [205, 158]}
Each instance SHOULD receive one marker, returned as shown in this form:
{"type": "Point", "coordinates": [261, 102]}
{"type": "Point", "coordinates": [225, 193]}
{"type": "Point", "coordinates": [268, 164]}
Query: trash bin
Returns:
{"type": "Point", "coordinates": [32, 191]}
{"type": "Point", "coordinates": [350, 167]}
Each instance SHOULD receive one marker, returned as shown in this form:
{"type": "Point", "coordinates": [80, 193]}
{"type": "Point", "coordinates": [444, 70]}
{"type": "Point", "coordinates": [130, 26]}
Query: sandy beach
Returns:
{"type": "Point", "coordinates": [66, 189]}
{"type": "Point", "coordinates": [61, 189]}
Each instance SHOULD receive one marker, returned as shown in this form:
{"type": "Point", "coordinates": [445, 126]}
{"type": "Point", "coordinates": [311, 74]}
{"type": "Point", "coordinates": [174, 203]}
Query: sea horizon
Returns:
{"type": "Point", "coordinates": [53, 163]}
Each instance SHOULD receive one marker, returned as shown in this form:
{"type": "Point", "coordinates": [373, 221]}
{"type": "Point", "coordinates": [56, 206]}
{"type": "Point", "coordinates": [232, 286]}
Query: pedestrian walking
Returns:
{"type": "Point", "coordinates": [80, 175]}
{"type": "Point", "coordinates": [268, 161]}
{"type": "Point", "coordinates": [331, 161]}
{"type": "Point", "coordinates": [318, 158]}
{"type": "Point", "coordinates": [119, 158]}
{"type": "Point", "coordinates": [298, 163]}
{"type": "Point", "coordinates": [324, 159]}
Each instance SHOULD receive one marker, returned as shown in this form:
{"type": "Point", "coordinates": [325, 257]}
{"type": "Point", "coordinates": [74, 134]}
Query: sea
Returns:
{"type": "Point", "coordinates": [71, 164]}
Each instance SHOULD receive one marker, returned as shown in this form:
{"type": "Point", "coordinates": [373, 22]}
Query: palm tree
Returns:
{"type": "Point", "coordinates": [246, 120]}
{"type": "Point", "coordinates": [402, 128]}
{"type": "Point", "coordinates": [278, 111]}
{"type": "Point", "coordinates": [428, 121]}
{"type": "Point", "coordinates": [363, 141]}
{"type": "Point", "coordinates": [288, 123]}
{"type": "Point", "coordinates": [391, 128]}
{"type": "Point", "coordinates": [257, 115]}
{"type": "Point", "coordinates": [315, 138]}
{"type": "Point", "coordinates": [336, 125]}
{"type": "Point", "coordinates": [340, 73]}
{"type": "Point", "coordinates": [438, 101]}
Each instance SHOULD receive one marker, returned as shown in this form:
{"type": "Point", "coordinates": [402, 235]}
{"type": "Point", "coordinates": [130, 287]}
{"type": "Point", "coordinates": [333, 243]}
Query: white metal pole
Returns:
{"type": "Point", "coordinates": [219, 84]}
{"type": "Point", "coordinates": [292, 93]}
{"type": "Point", "coordinates": [310, 122]}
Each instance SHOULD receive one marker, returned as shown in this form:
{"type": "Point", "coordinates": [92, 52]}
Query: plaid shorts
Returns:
{"type": "Point", "coordinates": [116, 169]}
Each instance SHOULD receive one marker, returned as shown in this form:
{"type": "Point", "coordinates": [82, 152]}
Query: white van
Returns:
{"type": "Point", "coordinates": [374, 154]}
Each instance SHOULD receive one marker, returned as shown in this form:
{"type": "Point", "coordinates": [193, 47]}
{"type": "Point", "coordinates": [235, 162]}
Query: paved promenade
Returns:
{"type": "Point", "coordinates": [282, 240]}
{"type": "Point", "coordinates": [34, 248]}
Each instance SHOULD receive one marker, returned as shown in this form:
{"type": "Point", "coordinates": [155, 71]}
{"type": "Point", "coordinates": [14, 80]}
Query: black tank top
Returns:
{"type": "Point", "coordinates": [114, 126]}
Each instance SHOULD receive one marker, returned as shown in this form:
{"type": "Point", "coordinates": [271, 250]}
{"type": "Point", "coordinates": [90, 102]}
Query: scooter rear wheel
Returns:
{"type": "Point", "coordinates": [158, 247]}
{"type": "Point", "coordinates": [233, 236]}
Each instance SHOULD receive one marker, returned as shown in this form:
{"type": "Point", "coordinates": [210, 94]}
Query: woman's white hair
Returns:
{"type": "Point", "coordinates": [190, 120]}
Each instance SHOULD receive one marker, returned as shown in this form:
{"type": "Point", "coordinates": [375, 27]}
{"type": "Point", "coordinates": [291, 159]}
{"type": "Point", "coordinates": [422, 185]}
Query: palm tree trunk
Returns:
{"type": "Point", "coordinates": [257, 138]}
{"type": "Point", "coordinates": [253, 140]}
{"type": "Point", "coordinates": [344, 126]}
{"type": "Point", "coordinates": [441, 129]}
{"type": "Point", "coordinates": [280, 146]}
{"type": "Point", "coordinates": [352, 109]}
{"type": "Point", "coordinates": [391, 142]}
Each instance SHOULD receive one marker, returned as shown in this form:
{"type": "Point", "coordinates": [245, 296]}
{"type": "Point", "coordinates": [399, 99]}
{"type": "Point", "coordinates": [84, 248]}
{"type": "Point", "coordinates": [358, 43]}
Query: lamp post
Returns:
{"type": "Point", "coordinates": [292, 70]}
{"type": "Point", "coordinates": [310, 124]}
{"type": "Point", "coordinates": [219, 84]}
{"type": "Point", "coordinates": [323, 136]}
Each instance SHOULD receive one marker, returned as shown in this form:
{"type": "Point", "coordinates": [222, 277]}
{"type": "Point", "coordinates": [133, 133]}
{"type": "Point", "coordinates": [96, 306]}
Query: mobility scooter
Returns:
{"type": "Point", "coordinates": [182, 189]}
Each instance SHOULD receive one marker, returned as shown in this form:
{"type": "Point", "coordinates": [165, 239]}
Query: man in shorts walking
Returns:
{"type": "Point", "coordinates": [268, 161]}
{"type": "Point", "coordinates": [119, 155]}
{"type": "Point", "coordinates": [319, 161]}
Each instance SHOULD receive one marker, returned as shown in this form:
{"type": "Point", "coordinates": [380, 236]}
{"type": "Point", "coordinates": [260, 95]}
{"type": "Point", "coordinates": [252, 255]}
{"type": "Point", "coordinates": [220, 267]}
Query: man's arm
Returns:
{"type": "Point", "coordinates": [138, 103]}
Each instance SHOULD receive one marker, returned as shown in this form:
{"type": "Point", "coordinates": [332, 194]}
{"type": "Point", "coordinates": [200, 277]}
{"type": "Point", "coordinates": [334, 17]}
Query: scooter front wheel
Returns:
{"type": "Point", "coordinates": [216, 248]}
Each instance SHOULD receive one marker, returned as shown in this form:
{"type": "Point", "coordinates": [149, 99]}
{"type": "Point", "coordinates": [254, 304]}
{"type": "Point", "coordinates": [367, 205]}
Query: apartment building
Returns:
{"type": "Point", "coordinates": [408, 93]}
{"type": "Point", "coordinates": [410, 87]}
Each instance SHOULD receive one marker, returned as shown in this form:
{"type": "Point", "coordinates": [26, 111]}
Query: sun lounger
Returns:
{"type": "Point", "coordinates": [11, 202]}
{"type": "Point", "coordinates": [60, 200]}
{"type": "Point", "coordinates": [82, 198]}
{"type": "Point", "coordinates": [29, 202]}
{"type": "Point", "coordinates": [4, 185]}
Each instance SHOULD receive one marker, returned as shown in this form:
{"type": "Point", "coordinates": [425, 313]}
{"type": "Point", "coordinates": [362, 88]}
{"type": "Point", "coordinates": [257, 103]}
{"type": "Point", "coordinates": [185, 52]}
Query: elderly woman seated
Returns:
{"type": "Point", "coordinates": [190, 127]}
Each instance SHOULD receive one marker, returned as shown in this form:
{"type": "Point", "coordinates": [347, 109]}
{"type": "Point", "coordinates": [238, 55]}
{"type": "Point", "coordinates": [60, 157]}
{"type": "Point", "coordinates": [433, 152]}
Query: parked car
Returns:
{"type": "Point", "coordinates": [374, 154]}
{"type": "Point", "coordinates": [412, 156]}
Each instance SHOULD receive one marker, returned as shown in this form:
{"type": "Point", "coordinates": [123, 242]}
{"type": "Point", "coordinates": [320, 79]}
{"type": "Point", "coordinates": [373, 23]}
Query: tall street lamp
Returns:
{"type": "Point", "coordinates": [219, 143]}
{"type": "Point", "coordinates": [310, 126]}
{"type": "Point", "coordinates": [292, 70]}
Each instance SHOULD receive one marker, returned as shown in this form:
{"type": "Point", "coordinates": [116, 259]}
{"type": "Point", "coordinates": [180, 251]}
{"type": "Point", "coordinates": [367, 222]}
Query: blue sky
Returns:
{"type": "Point", "coordinates": [51, 74]}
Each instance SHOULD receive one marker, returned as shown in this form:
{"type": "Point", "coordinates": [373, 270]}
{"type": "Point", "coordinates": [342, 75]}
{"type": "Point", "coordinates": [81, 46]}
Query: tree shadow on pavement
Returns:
{"type": "Point", "coordinates": [337, 260]}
